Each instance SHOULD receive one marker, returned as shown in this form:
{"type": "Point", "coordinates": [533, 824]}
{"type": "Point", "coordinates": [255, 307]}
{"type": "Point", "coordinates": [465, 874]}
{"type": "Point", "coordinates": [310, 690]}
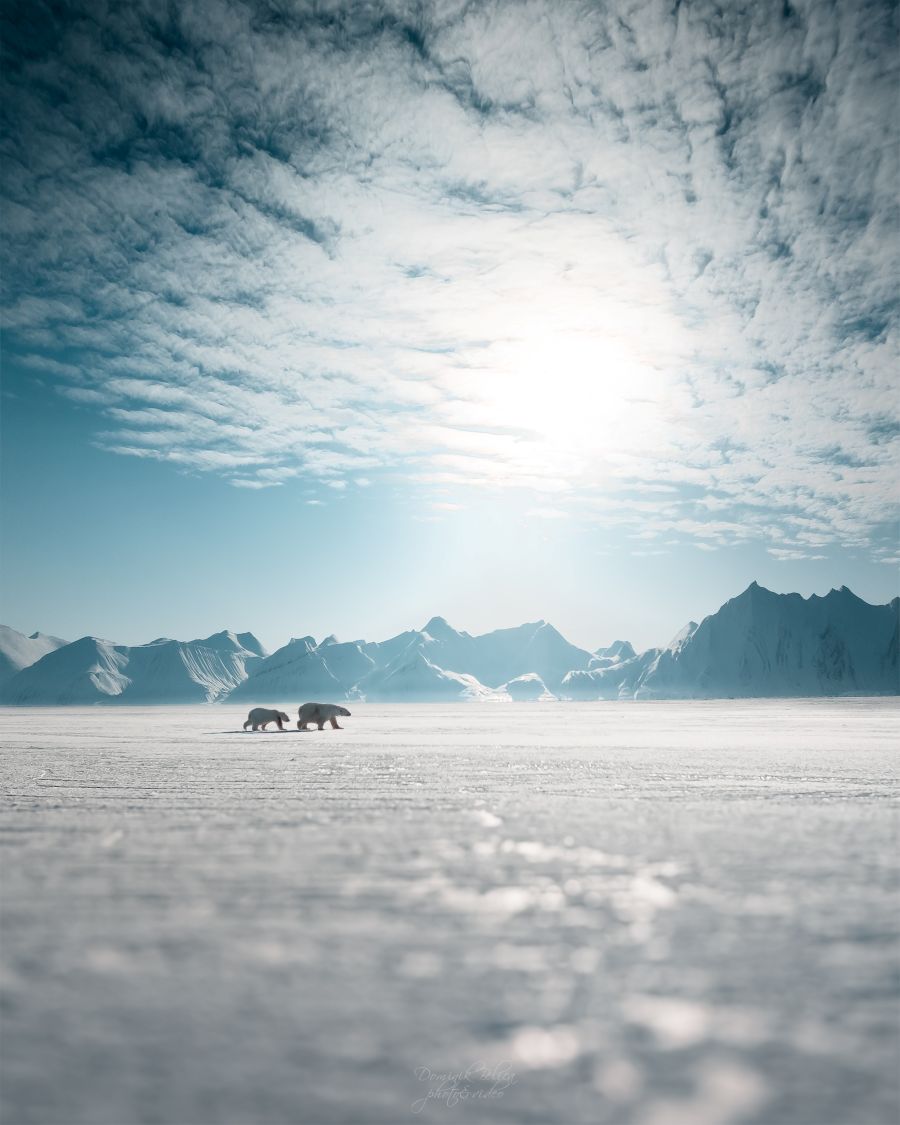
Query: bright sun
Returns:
{"type": "Point", "coordinates": [572, 393]}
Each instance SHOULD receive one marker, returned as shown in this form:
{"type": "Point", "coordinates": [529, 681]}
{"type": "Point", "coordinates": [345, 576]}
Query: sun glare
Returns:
{"type": "Point", "coordinates": [574, 394]}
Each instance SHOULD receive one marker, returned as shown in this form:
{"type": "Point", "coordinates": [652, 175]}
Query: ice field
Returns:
{"type": "Point", "coordinates": [633, 914]}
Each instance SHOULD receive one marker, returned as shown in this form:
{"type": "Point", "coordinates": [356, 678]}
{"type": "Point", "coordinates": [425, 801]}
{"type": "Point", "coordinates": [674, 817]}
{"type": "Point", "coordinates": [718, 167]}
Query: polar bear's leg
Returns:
{"type": "Point", "coordinates": [301, 726]}
{"type": "Point", "coordinates": [321, 724]}
{"type": "Point", "coordinates": [334, 723]}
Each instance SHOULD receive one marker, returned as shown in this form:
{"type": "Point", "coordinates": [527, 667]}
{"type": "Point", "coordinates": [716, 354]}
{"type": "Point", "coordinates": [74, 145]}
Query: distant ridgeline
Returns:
{"type": "Point", "coordinates": [758, 644]}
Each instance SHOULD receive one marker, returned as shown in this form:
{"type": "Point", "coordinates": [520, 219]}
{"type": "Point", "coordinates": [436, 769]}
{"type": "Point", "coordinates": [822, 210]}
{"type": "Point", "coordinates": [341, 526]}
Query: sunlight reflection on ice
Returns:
{"type": "Point", "coordinates": [533, 1048]}
{"type": "Point", "coordinates": [654, 920]}
{"type": "Point", "coordinates": [678, 1023]}
{"type": "Point", "coordinates": [726, 1091]}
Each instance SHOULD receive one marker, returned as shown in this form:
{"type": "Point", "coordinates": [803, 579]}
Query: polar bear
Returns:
{"type": "Point", "coordinates": [259, 716]}
{"type": "Point", "coordinates": [320, 713]}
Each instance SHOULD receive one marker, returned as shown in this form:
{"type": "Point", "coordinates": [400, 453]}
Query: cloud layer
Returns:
{"type": "Point", "coordinates": [637, 258]}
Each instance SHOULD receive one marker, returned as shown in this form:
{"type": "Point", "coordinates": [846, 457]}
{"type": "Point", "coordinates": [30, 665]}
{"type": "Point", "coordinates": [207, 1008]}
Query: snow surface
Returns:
{"type": "Point", "coordinates": [528, 688]}
{"type": "Point", "coordinates": [626, 914]}
{"type": "Point", "coordinates": [411, 676]}
{"type": "Point", "coordinates": [616, 652]}
{"type": "Point", "coordinates": [18, 651]}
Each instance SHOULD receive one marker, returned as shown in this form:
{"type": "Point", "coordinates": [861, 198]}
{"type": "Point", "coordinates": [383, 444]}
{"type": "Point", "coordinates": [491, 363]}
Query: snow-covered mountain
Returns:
{"type": "Point", "coordinates": [91, 670]}
{"type": "Point", "coordinates": [304, 670]}
{"type": "Point", "coordinates": [765, 644]}
{"type": "Point", "coordinates": [492, 658]}
{"type": "Point", "coordinates": [609, 679]}
{"type": "Point", "coordinates": [412, 677]}
{"type": "Point", "coordinates": [436, 662]}
{"type": "Point", "coordinates": [529, 688]}
{"type": "Point", "coordinates": [615, 653]}
{"type": "Point", "coordinates": [757, 644]}
{"type": "Point", "coordinates": [18, 651]}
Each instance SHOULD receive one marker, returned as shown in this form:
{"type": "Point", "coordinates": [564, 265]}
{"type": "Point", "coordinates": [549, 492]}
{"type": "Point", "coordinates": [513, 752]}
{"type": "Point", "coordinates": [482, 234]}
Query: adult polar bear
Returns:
{"type": "Point", "coordinates": [259, 716]}
{"type": "Point", "coordinates": [320, 714]}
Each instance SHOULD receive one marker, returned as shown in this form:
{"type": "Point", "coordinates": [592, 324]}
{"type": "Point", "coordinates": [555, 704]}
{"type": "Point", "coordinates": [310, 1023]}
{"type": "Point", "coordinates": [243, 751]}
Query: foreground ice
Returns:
{"type": "Point", "coordinates": [659, 914]}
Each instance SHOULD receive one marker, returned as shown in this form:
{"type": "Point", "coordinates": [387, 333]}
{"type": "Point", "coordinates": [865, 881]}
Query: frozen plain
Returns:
{"type": "Point", "coordinates": [633, 914]}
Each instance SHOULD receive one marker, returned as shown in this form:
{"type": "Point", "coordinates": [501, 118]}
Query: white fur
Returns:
{"type": "Point", "coordinates": [320, 714]}
{"type": "Point", "coordinates": [259, 716]}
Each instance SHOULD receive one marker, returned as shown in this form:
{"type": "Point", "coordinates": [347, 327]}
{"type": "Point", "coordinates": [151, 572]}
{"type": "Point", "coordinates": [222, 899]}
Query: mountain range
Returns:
{"type": "Point", "coordinates": [91, 670]}
{"type": "Point", "coordinates": [758, 644]}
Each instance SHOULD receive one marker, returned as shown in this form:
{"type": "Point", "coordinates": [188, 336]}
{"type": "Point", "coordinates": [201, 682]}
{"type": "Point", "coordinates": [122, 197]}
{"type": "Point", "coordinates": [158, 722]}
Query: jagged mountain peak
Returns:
{"type": "Point", "coordinates": [221, 635]}
{"type": "Point", "coordinates": [251, 643]}
{"type": "Point", "coordinates": [758, 643]}
{"type": "Point", "coordinates": [622, 650]}
{"type": "Point", "coordinates": [439, 629]}
{"type": "Point", "coordinates": [18, 651]}
{"type": "Point", "coordinates": [436, 626]}
{"type": "Point", "coordinates": [90, 641]}
{"type": "Point", "coordinates": [228, 641]}
{"type": "Point", "coordinates": [754, 592]}
{"type": "Point", "coordinates": [58, 642]}
{"type": "Point", "coordinates": [683, 635]}
{"type": "Point", "coordinates": [843, 594]}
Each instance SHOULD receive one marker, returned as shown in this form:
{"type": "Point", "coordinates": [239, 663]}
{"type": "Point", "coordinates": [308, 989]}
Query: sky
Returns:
{"type": "Point", "coordinates": [329, 317]}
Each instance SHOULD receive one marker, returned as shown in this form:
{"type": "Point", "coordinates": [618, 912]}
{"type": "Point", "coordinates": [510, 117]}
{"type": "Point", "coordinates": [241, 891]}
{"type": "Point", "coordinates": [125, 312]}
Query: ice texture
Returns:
{"type": "Point", "coordinates": [603, 913]}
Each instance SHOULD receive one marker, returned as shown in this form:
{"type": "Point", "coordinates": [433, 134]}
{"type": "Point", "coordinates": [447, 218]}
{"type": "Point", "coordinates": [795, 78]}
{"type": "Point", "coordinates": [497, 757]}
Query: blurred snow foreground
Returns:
{"type": "Point", "coordinates": [659, 914]}
{"type": "Point", "coordinates": [759, 644]}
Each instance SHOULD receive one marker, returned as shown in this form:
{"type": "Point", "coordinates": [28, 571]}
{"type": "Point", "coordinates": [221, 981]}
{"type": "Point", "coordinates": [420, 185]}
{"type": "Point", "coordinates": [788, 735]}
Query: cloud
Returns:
{"type": "Point", "coordinates": [638, 258]}
{"type": "Point", "coordinates": [791, 556]}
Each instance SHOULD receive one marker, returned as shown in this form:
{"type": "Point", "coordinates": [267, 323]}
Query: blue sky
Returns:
{"type": "Point", "coordinates": [331, 317]}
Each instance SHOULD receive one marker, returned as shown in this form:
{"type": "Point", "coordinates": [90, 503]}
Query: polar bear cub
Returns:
{"type": "Point", "coordinates": [259, 716]}
{"type": "Point", "coordinates": [320, 713]}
